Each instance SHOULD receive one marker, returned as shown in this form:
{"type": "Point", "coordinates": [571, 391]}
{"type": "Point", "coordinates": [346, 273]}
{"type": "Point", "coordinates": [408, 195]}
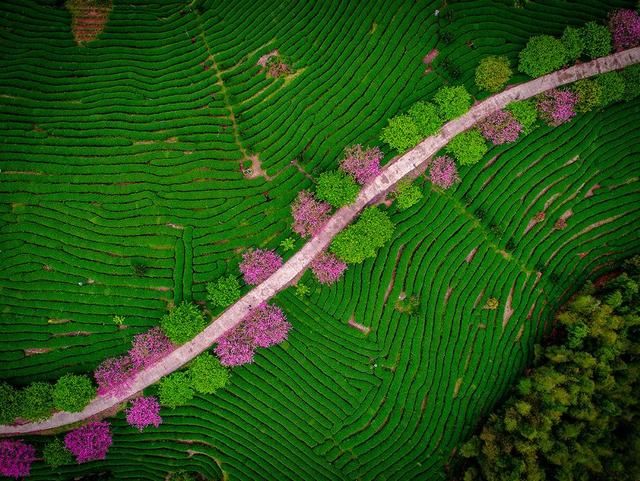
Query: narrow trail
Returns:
{"type": "Point", "coordinates": [390, 175]}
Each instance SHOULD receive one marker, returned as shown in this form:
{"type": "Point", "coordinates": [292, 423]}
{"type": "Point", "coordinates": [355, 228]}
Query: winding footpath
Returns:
{"type": "Point", "coordinates": [413, 160]}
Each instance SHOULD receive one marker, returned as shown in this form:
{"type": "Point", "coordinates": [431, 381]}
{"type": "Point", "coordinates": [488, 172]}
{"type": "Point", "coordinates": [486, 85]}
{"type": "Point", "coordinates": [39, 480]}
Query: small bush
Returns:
{"type": "Point", "coordinates": [526, 113]}
{"type": "Point", "coordinates": [468, 147]}
{"type": "Point", "coordinates": [362, 239]}
{"type": "Point", "coordinates": [407, 195]}
{"type": "Point", "coordinates": [492, 304]}
{"type": "Point", "coordinates": [175, 390]}
{"type": "Point", "coordinates": [73, 392]}
{"type": "Point", "coordinates": [452, 102]}
{"type": "Point", "coordinates": [425, 116]}
{"type": "Point", "coordinates": [401, 134]}
{"type": "Point", "coordinates": [9, 403]}
{"type": "Point", "coordinates": [224, 291]}
{"type": "Point", "coordinates": [182, 323]}
{"type": "Point", "coordinates": [207, 374]}
{"type": "Point", "coordinates": [408, 305]}
{"type": "Point", "coordinates": [55, 454]}
{"type": "Point", "coordinates": [337, 188]}
{"type": "Point", "coordinates": [493, 73]}
{"type": "Point", "coordinates": [589, 94]}
{"type": "Point", "coordinates": [36, 401]}
{"type": "Point", "coordinates": [612, 87]}
{"type": "Point", "coordinates": [573, 43]}
{"type": "Point", "coordinates": [543, 54]}
{"type": "Point", "coordinates": [597, 40]}
{"type": "Point", "coordinates": [288, 244]}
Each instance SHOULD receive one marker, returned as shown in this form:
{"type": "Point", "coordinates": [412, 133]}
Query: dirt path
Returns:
{"type": "Point", "coordinates": [390, 175]}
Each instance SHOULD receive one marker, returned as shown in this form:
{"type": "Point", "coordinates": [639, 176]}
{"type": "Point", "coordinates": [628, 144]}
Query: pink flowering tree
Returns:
{"type": "Point", "coordinates": [501, 127]}
{"type": "Point", "coordinates": [443, 172]}
{"type": "Point", "coordinates": [16, 457]}
{"type": "Point", "coordinates": [309, 214]}
{"type": "Point", "coordinates": [362, 164]}
{"type": "Point", "coordinates": [143, 412]}
{"type": "Point", "coordinates": [89, 442]}
{"type": "Point", "coordinates": [327, 268]}
{"type": "Point", "coordinates": [257, 265]}
{"type": "Point", "coordinates": [625, 28]}
{"type": "Point", "coordinates": [114, 375]}
{"type": "Point", "coordinates": [557, 106]}
{"type": "Point", "coordinates": [265, 326]}
{"type": "Point", "coordinates": [235, 347]}
{"type": "Point", "coordinates": [149, 347]}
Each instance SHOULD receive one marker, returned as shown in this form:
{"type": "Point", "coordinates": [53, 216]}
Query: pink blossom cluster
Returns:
{"type": "Point", "coordinates": [89, 442]}
{"type": "Point", "coordinates": [309, 214]}
{"type": "Point", "coordinates": [362, 164]}
{"type": "Point", "coordinates": [143, 412]}
{"type": "Point", "coordinates": [327, 268]}
{"type": "Point", "coordinates": [501, 127]}
{"type": "Point", "coordinates": [16, 457]}
{"type": "Point", "coordinates": [114, 375]}
{"type": "Point", "coordinates": [149, 347]}
{"type": "Point", "coordinates": [257, 265]}
{"type": "Point", "coordinates": [265, 326]}
{"type": "Point", "coordinates": [625, 27]}
{"type": "Point", "coordinates": [557, 106]}
{"type": "Point", "coordinates": [443, 172]}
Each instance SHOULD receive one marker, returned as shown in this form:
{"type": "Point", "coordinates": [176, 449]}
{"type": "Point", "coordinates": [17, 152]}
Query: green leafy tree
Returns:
{"type": "Point", "coordinates": [55, 454]}
{"type": "Point", "coordinates": [407, 195]}
{"type": "Point", "coordinates": [337, 188]}
{"type": "Point", "coordinates": [493, 73]}
{"type": "Point", "coordinates": [571, 416]}
{"type": "Point", "coordinates": [175, 389]}
{"type": "Point", "coordinates": [597, 40]}
{"type": "Point", "coordinates": [612, 87]}
{"type": "Point", "coordinates": [182, 323]}
{"type": "Point", "coordinates": [401, 134]}
{"type": "Point", "coordinates": [468, 147]}
{"type": "Point", "coordinates": [631, 76]}
{"type": "Point", "coordinates": [425, 115]}
{"type": "Point", "coordinates": [452, 102]}
{"type": "Point", "coordinates": [525, 112]}
{"type": "Point", "coordinates": [573, 43]}
{"type": "Point", "coordinates": [36, 401]}
{"type": "Point", "coordinates": [542, 54]}
{"type": "Point", "coordinates": [362, 239]}
{"type": "Point", "coordinates": [9, 403]}
{"type": "Point", "coordinates": [224, 291]}
{"type": "Point", "coordinates": [589, 94]}
{"type": "Point", "coordinates": [73, 392]}
{"type": "Point", "coordinates": [207, 374]}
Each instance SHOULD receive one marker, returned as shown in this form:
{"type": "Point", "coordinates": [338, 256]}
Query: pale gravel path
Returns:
{"type": "Point", "coordinates": [391, 174]}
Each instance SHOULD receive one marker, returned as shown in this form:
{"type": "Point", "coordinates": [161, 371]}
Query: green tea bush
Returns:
{"type": "Point", "coordinates": [175, 389]}
{"type": "Point", "coordinates": [468, 147]}
{"type": "Point", "coordinates": [597, 40]}
{"type": "Point", "coordinates": [401, 133]}
{"type": "Point", "coordinates": [337, 188]}
{"type": "Point", "coordinates": [425, 116]}
{"type": "Point", "coordinates": [207, 374]}
{"type": "Point", "coordinates": [36, 401]}
{"type": "Point", "coordinates": [362, 239]}
{"type": "Point", "coordinates": [452, 102]}
{"type": "Point", "coordinates": [224, 291]}
{"type": "Point", "coordinates": [73, 392]}
{"type": "Point", "coordinates": [493, 73]}
{"type": "Point", "coordinates": [182, 323]}
{"type": "Point", "coordinates": [543, 54]}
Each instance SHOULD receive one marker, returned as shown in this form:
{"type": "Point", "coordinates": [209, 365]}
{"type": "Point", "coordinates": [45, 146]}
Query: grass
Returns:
{"type": "Point", "coordinates": [129, 152]}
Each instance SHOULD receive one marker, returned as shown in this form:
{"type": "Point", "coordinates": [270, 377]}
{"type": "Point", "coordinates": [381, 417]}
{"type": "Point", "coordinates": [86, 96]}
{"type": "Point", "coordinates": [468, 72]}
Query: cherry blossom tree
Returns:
{"type": "Point", "coordinates": [443, 172]}
{"type": "Point", "coordinates": [143, 412]}
{"type": "Point", "coordinates": [149, 347]}
{"type": "Point", "coordinates": [625, 27]}
{"type": "Point", "coordinates": [16, 457]}
{"type": "Point", "coordinates": [309, 214]}
{"type": "Point", "coordinates": [89, 442]}
{"type": "Point", "coordinates": [327, 268]}
{"type": "Point", "coordinates": [114, 375]}
{"type": "Point", "coordinates": [362, 164]}
{"type": "Point", "coordinates": [257, 265]}
{"type": "Point", "coordinates": [557, 106]}
{"type": "Point", "coordinates": [501, 127]}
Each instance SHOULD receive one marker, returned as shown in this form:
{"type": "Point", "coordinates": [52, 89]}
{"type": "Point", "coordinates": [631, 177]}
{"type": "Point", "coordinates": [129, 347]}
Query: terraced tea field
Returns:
{"type": "Point", "coordinates": [123, 192]}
